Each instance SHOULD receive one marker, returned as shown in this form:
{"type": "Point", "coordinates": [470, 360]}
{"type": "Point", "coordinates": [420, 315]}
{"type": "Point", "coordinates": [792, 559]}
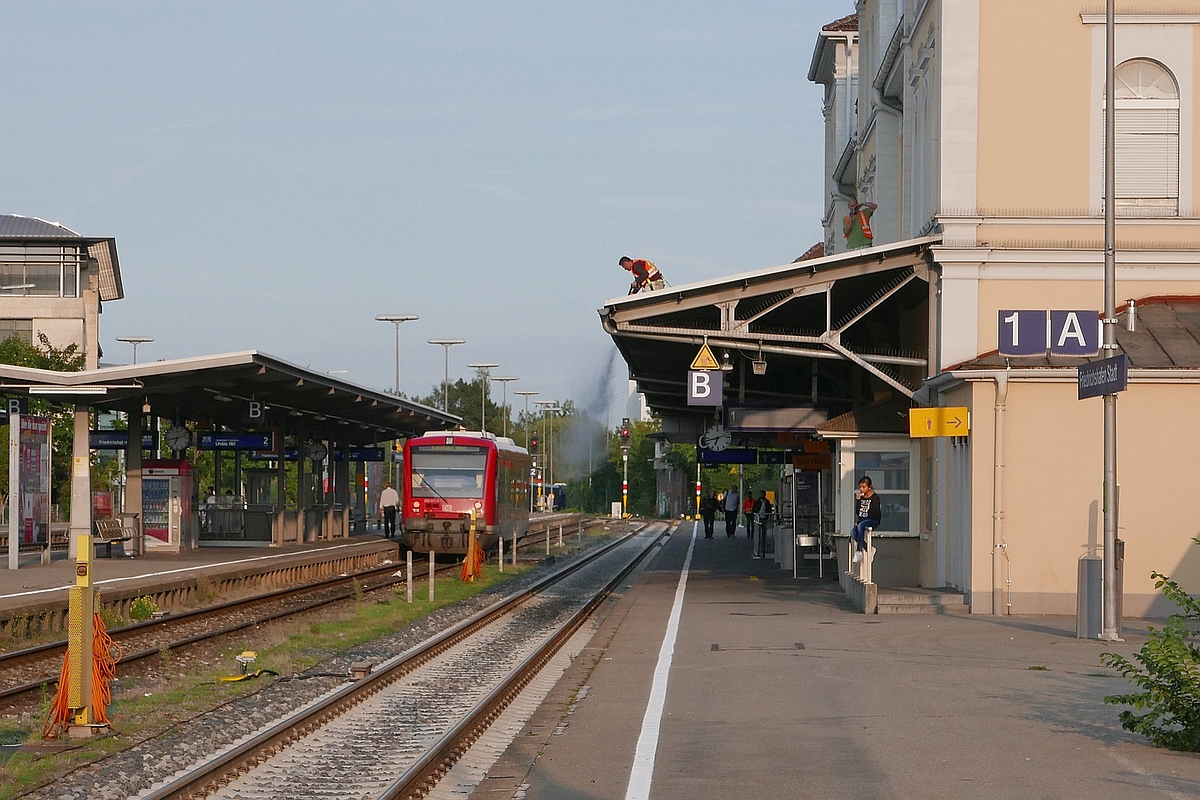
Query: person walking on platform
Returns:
{"type": "Point", "coordinates": [748, 513]}
{"type": "Point", "coordinates": [763, 509]}
{"type": "Point", "coordinates": [708, 513]}
{"type": "Point", "coordinates": [733, 506]}
{"type": "Point", "coordinates": [645, 274]}
{"type": "Point", "coordinates": [389, 501]}
{"type": "Point", "coordinates": [867, 514]}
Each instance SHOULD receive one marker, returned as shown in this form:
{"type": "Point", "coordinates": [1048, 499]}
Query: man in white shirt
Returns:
{"type": "Point", "coordinates": [389, 501]}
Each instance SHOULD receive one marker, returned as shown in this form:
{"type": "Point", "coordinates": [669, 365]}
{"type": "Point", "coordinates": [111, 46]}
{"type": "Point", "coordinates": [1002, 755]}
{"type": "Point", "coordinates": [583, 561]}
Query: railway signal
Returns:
{"type": "Point", "coordinates": [533, 443]}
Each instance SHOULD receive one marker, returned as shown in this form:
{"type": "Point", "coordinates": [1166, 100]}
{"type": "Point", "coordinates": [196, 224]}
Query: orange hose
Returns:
{"type": "Point", "coordinates": [105, 655]}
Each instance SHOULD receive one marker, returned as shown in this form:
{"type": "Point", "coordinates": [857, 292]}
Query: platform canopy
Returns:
{"type": "Point", "coordinates": [835, 332]}
{"type": "Point", "coordinates": [219, 389]}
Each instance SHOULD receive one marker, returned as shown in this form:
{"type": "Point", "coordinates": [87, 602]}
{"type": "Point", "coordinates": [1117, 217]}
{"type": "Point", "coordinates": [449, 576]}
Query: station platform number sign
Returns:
{"type": "Point", "coordinates": [1059, 333]}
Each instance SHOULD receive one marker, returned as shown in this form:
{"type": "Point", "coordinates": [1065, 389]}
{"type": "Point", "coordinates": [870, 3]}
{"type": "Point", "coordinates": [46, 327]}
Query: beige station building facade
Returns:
{"type": "Point", "coordinates": [976, 127]}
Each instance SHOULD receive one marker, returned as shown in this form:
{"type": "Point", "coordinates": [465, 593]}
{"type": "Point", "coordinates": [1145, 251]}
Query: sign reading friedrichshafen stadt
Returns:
{"type": "Point", "coordinates": [1107, 376]}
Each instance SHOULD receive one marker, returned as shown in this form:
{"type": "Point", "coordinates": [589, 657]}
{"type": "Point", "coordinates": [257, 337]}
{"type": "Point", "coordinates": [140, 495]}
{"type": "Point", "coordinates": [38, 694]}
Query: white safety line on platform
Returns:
{"type": "Point", "coordinates": [647, 746]}
{"type": "Point", "coordinates": [177, 571]}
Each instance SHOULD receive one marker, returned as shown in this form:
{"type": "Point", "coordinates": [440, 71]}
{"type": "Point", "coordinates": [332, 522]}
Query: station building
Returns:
{"type": "Point", "coordinates": [53, 282]}
{"type": "Point", "coordinates": [986, 169]}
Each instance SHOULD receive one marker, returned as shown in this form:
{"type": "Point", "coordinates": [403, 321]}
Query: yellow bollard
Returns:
{"type": "Point", "coordinates": [81, 632]}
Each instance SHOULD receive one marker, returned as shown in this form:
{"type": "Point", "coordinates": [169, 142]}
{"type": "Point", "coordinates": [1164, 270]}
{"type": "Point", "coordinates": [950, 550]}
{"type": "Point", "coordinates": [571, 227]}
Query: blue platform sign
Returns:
{"type": "Point", "coordinates": [1107, 376]}
{"type": "Point", "coordinates": [732, 455]}
{"type": "Point", "coordinates": [1074, 333]}
{"type": "Point", "coordinates": [212, 440]}
{"type": "Point", "coordinates": [117, 440]}
{"type": "Point", "coordinates": [1022, 333]}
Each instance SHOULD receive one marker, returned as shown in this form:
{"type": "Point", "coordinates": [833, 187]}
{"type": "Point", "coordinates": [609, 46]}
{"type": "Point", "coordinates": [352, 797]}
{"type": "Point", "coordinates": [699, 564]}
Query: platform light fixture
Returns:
{"type": "Point", "coordinates": [447, 344]}
{"type": "Point", "coordinates": [504, 381]}
{"type": "Point", "coordinates": [397, 320]}
{"type": "Point", "coordinates": [133, 340]}
{"type": "Point", "coordinates": [483, 391]}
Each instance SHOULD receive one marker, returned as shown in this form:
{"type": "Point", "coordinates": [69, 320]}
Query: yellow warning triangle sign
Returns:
{"type": "Point", "coordinates": [705, 359]}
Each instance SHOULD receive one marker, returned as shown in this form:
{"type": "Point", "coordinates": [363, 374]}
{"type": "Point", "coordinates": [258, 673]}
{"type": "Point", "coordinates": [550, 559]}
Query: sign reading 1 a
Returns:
{"type": "Point", "coordinates": [1062, 333]}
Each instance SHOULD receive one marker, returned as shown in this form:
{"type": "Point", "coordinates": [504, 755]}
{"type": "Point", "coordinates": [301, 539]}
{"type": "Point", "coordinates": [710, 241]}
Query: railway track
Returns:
{"type": "Point", "coordinates": [394, 733]}
{"type": "Point", "coordinates": [24, 672]}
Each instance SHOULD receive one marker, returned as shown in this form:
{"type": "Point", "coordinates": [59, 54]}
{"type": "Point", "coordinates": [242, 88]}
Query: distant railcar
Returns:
{"type": "Point", "coordinates": [448, 473]}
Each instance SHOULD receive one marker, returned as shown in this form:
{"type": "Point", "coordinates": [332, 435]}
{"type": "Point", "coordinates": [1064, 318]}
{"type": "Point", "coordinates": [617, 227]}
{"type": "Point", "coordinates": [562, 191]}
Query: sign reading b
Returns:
{"type": "Point", "coordinates": [704, 388]}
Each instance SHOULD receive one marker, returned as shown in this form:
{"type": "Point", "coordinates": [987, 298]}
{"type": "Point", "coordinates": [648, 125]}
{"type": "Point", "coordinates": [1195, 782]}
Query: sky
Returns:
{"type": "Point", "coordinates": [276, 174]}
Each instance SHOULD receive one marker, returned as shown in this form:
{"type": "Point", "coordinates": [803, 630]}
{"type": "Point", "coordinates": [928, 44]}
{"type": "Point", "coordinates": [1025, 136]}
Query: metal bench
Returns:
{"type": "Point", "coordinates": [109, 532]}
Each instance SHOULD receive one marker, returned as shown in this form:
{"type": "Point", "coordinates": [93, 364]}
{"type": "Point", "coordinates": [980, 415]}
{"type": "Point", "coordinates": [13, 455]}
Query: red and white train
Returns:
{"type": "Point", "coordinates": [447, 474]}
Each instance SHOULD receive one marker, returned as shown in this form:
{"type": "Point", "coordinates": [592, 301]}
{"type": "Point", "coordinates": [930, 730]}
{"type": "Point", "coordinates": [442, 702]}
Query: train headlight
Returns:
{"type": "Point", "coordinates": [478, 505]}
{"type": "Point", "coordinates": [416, 506]}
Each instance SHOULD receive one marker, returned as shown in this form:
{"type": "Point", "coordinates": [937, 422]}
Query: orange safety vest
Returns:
{"type": "Point", "coordinates": [864, 222]}
{"type": "Point", "coordinates": [652, 273]}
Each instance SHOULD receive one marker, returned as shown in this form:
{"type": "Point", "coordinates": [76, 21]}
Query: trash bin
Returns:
{"type": "Point", "coordinates": [1089, 603]}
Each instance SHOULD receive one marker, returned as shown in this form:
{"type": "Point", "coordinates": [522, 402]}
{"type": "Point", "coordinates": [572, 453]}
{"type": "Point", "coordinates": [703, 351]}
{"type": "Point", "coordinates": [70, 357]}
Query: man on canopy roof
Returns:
{"type": "Point", "coordinates": [645, 274]}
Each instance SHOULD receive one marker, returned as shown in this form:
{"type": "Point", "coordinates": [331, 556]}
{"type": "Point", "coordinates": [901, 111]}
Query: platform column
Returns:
{"type": "Point", "coordinates": [301, 489]}
{"type": "Point", "coordinates": [342, 490]}
{"type": "Point", "coordinates": [133, 475]}
{"type": "Point", "coordinates": [81, 480]}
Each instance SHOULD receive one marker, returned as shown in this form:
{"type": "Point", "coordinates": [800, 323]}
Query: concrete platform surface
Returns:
{"type": "Point", "coordinates": [37, 583]}
{"type": "Point", "coordinates": [777, 689]}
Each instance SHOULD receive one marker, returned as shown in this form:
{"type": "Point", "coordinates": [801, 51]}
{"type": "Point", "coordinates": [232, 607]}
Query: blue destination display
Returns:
{"type": "Point", "coordinates": [211, 440]}
{"type": "Point", "coordinates": [356, 454]}
{"type": "Point", "coordinates": [116, 440]}
{"type": "Point", "coordinates": [733, 455]}
{"type": "Point", "coordinates": [1107, 376]}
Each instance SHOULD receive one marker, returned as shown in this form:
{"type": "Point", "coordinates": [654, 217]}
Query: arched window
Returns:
{"type": "Point", "coordinates": [1147, 133]}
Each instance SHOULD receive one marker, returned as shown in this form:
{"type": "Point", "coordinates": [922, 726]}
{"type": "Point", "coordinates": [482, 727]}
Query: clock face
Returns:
{"type": "Point", "coordinates": [317, 451]}
{"type": "Point", "coordinates": [716, 438]}
{"type": "Point", "coordinates": [178, 437]}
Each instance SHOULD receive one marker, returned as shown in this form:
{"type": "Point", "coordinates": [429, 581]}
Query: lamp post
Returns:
{"type": "Point", "coordinates": [526, 393]}
{"type": "Point", "coordinates": [133, 340]}
{"type": "Point", "coordinates": [483, 392]}
{"type": "Point", "coordinates": [504, 382]}
{"type": "Point", "coordinates": [447, 343]}
{"type": "Point", "coordinates": [547, 405]}
{"type": "Point", "coordinates": [397, 320]}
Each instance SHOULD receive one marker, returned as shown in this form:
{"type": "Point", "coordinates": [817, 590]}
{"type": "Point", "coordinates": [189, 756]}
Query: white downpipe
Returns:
{"type": "Point", "coordinates": [999, 546]}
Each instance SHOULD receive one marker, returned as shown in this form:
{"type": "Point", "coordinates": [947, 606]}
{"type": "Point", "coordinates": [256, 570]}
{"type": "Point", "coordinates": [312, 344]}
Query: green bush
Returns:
{"type": "Point", "coordinates": [142, 608]}
{"type": "Point", "coordinates": [1168, 674]}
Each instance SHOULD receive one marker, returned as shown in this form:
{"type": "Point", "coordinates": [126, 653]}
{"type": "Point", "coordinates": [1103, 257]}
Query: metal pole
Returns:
{"type": "Point", "coordinates": [500, 560]}
{"type": "Point", "coordinates": [397, 358]}
{"type": "Point", "coordinates": [1111, 632]}
{"type": "Point", "coordinates": [625, 485]}
{"type": "Point", "coordinates": [409, 578]}
{"type": "Point", "coordinates": [432, 559]}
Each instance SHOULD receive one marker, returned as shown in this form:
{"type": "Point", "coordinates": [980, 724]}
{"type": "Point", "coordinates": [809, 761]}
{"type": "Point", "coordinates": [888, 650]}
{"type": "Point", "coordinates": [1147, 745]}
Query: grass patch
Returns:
{"type": "Point", "coordinates": [146, 707]}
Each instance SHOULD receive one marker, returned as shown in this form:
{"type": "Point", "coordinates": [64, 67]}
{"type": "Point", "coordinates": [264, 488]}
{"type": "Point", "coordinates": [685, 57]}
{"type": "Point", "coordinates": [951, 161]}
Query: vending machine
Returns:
{"type": "Point", "coordinates": [168, 516]}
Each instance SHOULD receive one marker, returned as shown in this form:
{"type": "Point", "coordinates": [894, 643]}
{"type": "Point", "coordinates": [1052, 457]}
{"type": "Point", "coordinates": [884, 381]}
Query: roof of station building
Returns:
{"type": "Point", "coordinates": [846, 23]}
{"type": "Point", "coordinates": [1166, 336]}
{"type": "Point", "coordinates": [14, 225]}
{"type": "Point", "coordinates": [218, 388]}
{"type": "Point", "coordinates": [15, 228]}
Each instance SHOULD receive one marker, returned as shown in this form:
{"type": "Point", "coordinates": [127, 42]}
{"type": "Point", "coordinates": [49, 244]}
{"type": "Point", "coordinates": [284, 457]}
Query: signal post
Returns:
{"type": "Point", "coordinates": [626, 436]}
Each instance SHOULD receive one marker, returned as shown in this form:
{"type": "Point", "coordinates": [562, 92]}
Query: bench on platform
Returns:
{"type": "Point", "coordinates": [109, 532]}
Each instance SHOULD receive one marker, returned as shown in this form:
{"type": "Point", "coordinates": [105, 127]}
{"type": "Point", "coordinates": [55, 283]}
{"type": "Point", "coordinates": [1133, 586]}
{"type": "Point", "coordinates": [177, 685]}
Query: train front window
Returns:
{"type": "Point", "coordinates": [448, 471]}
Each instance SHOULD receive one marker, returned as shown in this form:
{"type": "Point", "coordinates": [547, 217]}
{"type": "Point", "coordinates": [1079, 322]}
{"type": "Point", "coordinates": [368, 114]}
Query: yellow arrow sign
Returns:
{"type": "Point", "coordinates": [948, 421]}
{"type": "Point", "coordinates": [705, 360]}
